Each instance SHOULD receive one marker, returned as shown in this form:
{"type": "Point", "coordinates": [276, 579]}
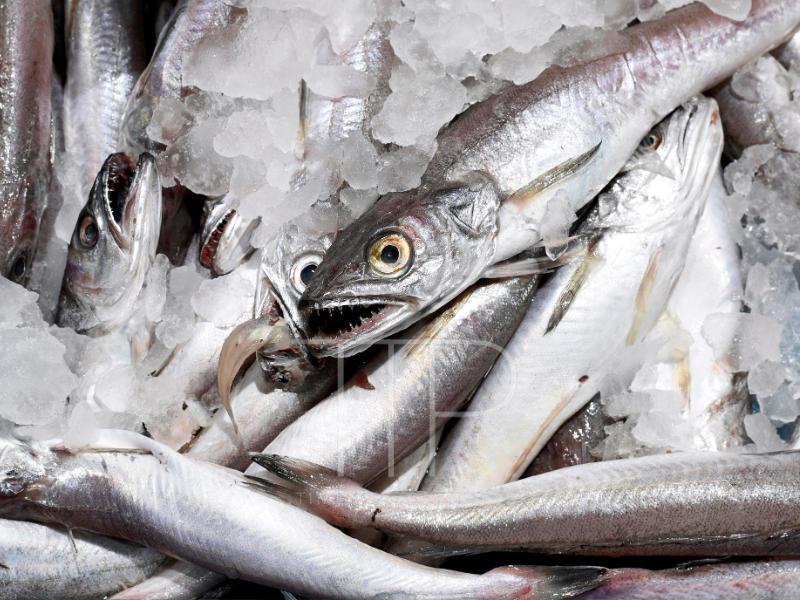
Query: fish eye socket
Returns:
{"type": "Point", "coordinates": [19, 268]}
{"type": "Point", "coordinates": [304, 270]}
{"type": "Point", "coordinates": [651, 141]}
{"type": "Point", "coordinates": [88, 232]}
{"type": "Point", "coordinates": [390, 255]}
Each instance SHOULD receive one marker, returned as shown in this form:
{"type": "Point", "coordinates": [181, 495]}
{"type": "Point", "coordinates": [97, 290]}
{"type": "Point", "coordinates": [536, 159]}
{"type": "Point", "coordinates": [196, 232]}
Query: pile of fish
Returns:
{"type": "Point", "coordinates": [320, 295]}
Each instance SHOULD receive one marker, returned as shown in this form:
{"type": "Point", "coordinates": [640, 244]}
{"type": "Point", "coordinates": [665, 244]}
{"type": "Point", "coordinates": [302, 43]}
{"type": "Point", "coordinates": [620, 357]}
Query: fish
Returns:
{"type": "Point", "coordinates": [188, 22]}
{"type": "Point", "coordinates": [225, 236]}
{"type": "Point", "coordinates": [684, 503]}
{"type": "Point", "coordinates": [106, 54]}
{"type": "Point", "coordinates": [501, 163]}
{"type": "Point", "coordinates": [112, 247]}
{"type": "Point", "coordinates": [769, 579]}
{"type": "Point", "coordinates": [45, 561]}
{"type": "Point", "coordinates": [26, 48]}
{"type": "Point", "coordinates": [175, 580]}
{"type": "Point", "coordinates": [129, 486]}
{"type": "Point", "coordinates": [602, 303]}
{"type": "Point", "coordinates": [398, 400]}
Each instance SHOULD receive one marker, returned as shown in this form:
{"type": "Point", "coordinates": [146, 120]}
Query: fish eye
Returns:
{"type": "Point", "coordinates": [88, 232]}
{"type": "Point", "coordinates": [390, 255]}
{"type": "Point", "coordinates": [19, 267]}
{"type": "Point", "coordinates": [651, 141]}
{"type": "Point", "coordinates": [303, 271]}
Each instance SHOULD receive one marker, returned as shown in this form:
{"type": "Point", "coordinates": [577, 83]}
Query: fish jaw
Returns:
{"type": "Point", "coordinates": [450, 237]}
{"type": "Point", "coordinates": [106, 270]}
{"type": "Point", "coordinates": [225, 237]}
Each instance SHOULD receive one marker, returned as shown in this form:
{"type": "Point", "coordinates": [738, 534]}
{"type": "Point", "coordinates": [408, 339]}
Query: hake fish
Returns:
{"type": "Point", "coordinates": [685, 503]}
{"type": "Point", "coordinates": [106, 53]}
{"type": "Point", "coordinates": [26, 64]}
{"type": "Point", "coordinates": [113, 245]}
{"type": "Point", "coordinates": [500, 164]}
{"type": "Point", "coordinates": [43, 561]}
{"type": "Point", "coordinates": [767, 579]}
{"type": "Point", "coordinates": [132, 487]}
{"type": "Point", "coordinates": [605, 300]}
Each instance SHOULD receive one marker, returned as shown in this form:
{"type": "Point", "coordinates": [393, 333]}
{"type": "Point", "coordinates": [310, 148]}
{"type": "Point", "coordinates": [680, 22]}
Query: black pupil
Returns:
{"type": "Point", "coordinates": [90, 232]}
{"type": "Point", "coordinates": [390, 254]}
{"type": "Point", "coordinates": [19, 268]}
{"type": "Point", "coordinates": [650, 140]}
{"type": "Point", "coordinates": [307, 273]}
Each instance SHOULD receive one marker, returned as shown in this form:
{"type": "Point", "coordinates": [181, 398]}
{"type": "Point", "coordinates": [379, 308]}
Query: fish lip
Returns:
{"type": "Point", "coordinates": [138, 199]}
{"type": "Point", "coordinates": [309, 305]}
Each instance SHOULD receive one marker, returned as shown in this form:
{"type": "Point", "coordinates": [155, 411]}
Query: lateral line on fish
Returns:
{"type": "Point", "coordinates": [642, 297]}
{"type": "Point", "coordinates": [557, 174]}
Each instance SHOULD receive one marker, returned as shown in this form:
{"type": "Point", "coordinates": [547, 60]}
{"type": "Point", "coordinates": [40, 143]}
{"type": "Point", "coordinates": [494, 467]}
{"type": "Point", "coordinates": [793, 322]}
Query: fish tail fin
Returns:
{"type": "Point", "coordinates": [544, 582]}
{"type": "Point", "coordinates": [316, 489]}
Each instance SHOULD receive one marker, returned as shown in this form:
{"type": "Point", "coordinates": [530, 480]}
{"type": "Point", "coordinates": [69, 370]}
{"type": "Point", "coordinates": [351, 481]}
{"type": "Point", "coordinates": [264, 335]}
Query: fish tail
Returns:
{"type": "Point", "coordinates": [316, 489]}
{"type": "Point", "coordinates": [543, 583]}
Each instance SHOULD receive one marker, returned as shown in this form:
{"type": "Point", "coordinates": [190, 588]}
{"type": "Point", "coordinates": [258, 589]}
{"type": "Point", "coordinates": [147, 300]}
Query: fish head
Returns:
{"type": "Point", "coordinates": [20, 468]}
{"type": "Point", "coordinates": [21, 208]}
{"type": "Point", "coordinates": [288, 264]}
{"type": "Point", "coordinates": [670, 171]}
{"type": "Point", "coordinates": [112, 247]}
{"type": "Point", "coordinates": [225, 236]}
{"type": "Point", "coordinates": [405, 257]}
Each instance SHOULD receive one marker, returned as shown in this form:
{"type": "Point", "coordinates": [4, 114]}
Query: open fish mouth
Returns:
{"type": "Point", "coordinates": [120, 172]}
{"type": "Point", "coordinates": [340, 324]}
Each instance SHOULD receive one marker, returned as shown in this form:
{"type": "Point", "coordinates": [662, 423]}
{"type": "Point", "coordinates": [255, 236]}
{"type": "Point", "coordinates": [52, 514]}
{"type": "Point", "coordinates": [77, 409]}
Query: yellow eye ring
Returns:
{"type": "Point", "coordinates": [390, 255]}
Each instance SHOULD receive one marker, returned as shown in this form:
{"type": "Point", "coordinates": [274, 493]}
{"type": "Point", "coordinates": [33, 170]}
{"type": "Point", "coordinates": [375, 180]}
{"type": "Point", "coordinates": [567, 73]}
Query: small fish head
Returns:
{"type": "Point", "coordinates": [288, 263]}
{"type": "Point", "coordinates": [113, 245]}
{"type": "Point", "coordinates": [20, 468]}
{"type": "Point", "coordinates": [21, 207]}
{"type": "Point", "coordinates": [402, 259]}
{"type": "Point", "coordinates": [665, 179]}
{"type": "Point", "coordinates": [225, 236]}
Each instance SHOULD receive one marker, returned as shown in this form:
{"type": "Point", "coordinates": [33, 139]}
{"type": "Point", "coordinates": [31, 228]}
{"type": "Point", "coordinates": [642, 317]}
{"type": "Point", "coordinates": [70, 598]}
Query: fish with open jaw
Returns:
{"type": "Point", "coordinates": [132, 487]}
{"type": "Point", "coordinates": [41, 561]}
{"type": "Point", "coordinates": [113, 245]}
{"type": "Point", "coordinates": [26, 60]}
{"type": "Point", "coordinates": [633, 245]}
{"type": "Point", "coordinates": [501, 164]}
{"type": "Point", "coordinates": [680, 504]}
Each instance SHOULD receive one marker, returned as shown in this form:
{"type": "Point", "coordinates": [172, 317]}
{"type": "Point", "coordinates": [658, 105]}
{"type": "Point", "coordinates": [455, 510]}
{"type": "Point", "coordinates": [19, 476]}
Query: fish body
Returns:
{"type": "Point", "coordinates": [753, 580]}
{"type": "Point", "coordinates": [399, 399]}
{"type": "Point", "coordinates": [112, 247]}
{"type": "Point", "coordinates": [42, 561]}
{"type": "Point", "coordinates": [590, 310]}
{"type": "Point", "coordinates": [225, 523]}
{"type": "Point", "coordinates": [189, 20]}
{"type": "Point", "coordinates": [685, 503]}
{"type": "Point", "coordinates": [26, 64]}
{"type": "Point", "coordinates": [106, 53]}
{"type": "Point", "coordinates": [500, 164]}
{"type": "Point", "coordinates": [176, 580]}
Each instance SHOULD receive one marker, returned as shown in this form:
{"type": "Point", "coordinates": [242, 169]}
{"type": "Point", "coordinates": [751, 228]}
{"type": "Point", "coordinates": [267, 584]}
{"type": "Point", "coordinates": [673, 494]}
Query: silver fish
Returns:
{"type": "Point", "coordinates": [399, 399]}
{"type": "Point", "coordinates": [753, 580]}
{"type": "Point", "coordinates": [605, 300]}
{"type": "Point", "coordinates": [502, 163]}
{"type": "Point", "coordinates": [176, 580]}
{"type": "Point", "coordinates": [26, 59]}
{"type": "Point", "coordinates": [219, 519]}
{"type": "Point", "coordinates": [41, 561]}
{"type": "Point", "coordinates": [685, 503]}
{"type": "Point", "coordinates": [105, 55]}
{"type": "Point", "coordinates": [225, 236]}
{"type": "Point", "coordinates": [162, 78]}
{"type": "Point", "coordinates": [112, 247]}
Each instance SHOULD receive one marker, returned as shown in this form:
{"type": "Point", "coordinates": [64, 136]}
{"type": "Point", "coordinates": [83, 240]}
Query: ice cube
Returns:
{"type": "Point", "coordinates": [223, 300]}
{"type": "Point", "coordinates": [763, 433]}
{"type": "Point", "coordinates": [156, 290]}
{"type": "Point", "coordinates": [527, 25]}
{"type": "Point", "coordinates": [765, 379]}
{"type": "Point", "coordinates": [117, 387]}
{"type": "Point", "coordinates": [555, 225]}
{"type": "Point", "coordinates": [781, 407]}
{"type": "Point", "coordinates": [82, 428]}
{"type": "Point", "coordinates": [359, 162]}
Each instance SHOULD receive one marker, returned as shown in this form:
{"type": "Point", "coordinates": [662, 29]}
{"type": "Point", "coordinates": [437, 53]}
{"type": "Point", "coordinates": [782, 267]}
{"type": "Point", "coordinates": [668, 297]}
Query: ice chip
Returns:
{"type": "Point", "coordinates": [763, 433]}
{"type": "Point", "coordinates": [742, 341]}
{"type": "Point", "coordinates": [757, 287]}
{"type": "Point", "coordinates": [16, 301]}
{"type": "Point", "coordinates": [82, 428]}
{"type": "Point", "coordinates": [117, 388]}
{"type": "Point", "coordinates": [359, 162]}
{"type": "Point", "coordinates": [34, 376]}
{"type": "Point", "coordinates": [781, 407]}
{"type": "Point", "coordinates": [765, 379]}
{"type": "Point", "coordinates": [336, 81]}
{"type": "Point", "coordinates": [358, 201]}
{"type": "Point", "coordinates": [733, 9]}
{"type": "Point", "coordinates": [527, 25]}
{"type": "Point", "coordinates": [223, 300]}
{"type": "Point", "coordinates": [156, 291]}
{"type": "Point", "coordinates": [555, 225]}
